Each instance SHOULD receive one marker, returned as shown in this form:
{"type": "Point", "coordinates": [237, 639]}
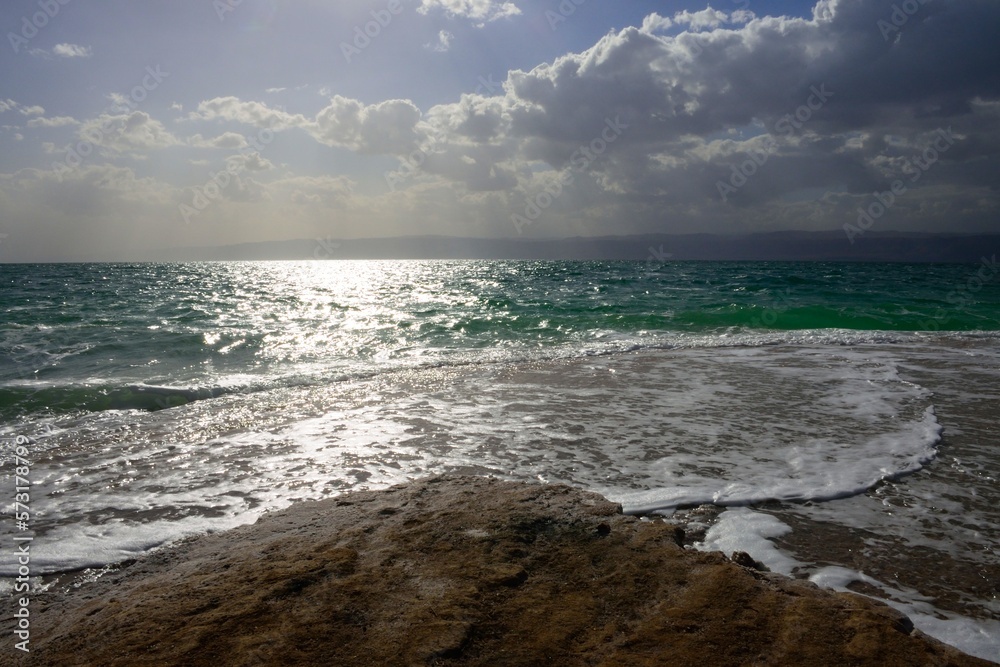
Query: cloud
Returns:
{"type": "Point", "coordinates": [313, 191]}
{"type": "Point", "coordinates": [633, 134]}
{"type": "Point", "coordinates": [706, 18]}
{"type": "Point", "coordinates": [480, 11]}
{"type": "Point", "coordinates": [256, 114]}
{"type": "Point", "coordinates": [249, 162]}
{"type": "Point", "coordinates": [64, 50]}
{"type": "Point", "coordinates": [34, 110]}
{"type": "Point", "coordinates": [55, 121]}
{"type": "Point", "coordinates": [133, 133]}
{"type": "Point", "coordinates": [826, 102]}
{"type": "Point", "coordinates": [226, 140]}
{"type": "Point", "coordinates": [82, 212]}
{"type": "Point", "coordinates": [655, 23]}
{"type": "Point", "coordinates": [742, 16]}
{"type": "Point", "coordinates": [72, 51]}
{"type": "Point", "coordinates": [388, 127]}
{"type": "Point", "coordinates": [443, 42]}
{"type": "Point", "coordinates": [644, 126]}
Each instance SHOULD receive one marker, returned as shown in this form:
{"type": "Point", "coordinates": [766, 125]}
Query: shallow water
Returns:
{"type": "Point", "coordinates": [867, 457]}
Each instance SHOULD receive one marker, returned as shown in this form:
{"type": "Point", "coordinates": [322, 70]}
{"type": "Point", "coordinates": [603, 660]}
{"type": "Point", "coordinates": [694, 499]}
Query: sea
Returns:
{"type": "Point", "coordinates": [840, 422]}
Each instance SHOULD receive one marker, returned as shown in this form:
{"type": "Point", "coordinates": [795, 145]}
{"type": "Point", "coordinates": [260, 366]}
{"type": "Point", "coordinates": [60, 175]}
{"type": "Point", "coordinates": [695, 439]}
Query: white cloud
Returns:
{"type": "Point", "coordinates": [480, 11]}
{"type": "Point", "coordinates": [226, 140]}
{"type": "Point", "coordinates": [72, 51]}
{"type": "Point", "coordinates": [55, 121]}
{"type": "Point", "coordinates": [706, 18]}
{"type": "Point", "coordinates": [314, 191]}
{"type": "Point", "coordinates": [389, 127]}
{"type": "Point", "coordinates": [443, 42]}
{"type": "Point", "coordinates": [655, 23]}
{"type": "Point", "coordinates": [250, 113]}
{"type": "Point", "coordinates": [677, 94]}
{"type": "Point", "coordinates": [694, 95]}
{"type": "Point", "coordinates": [11, 105]}
{"type": "Point", "coordinates": [742, 16]}
{"type": "Point", "coordinates": [135, 133]}
{"type": "Point", "coordinates": [250, 162]}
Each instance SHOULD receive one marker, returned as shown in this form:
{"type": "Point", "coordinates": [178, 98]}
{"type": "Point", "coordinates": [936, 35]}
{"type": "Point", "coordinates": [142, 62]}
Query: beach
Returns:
{"type": "Point", "coordinates": [858, 459]}
{"type": "Point", "coordinates": [464, 571]}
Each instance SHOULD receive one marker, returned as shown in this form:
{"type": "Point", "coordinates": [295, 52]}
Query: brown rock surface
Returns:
{"type": "Point", "coordinates": [461, 571]}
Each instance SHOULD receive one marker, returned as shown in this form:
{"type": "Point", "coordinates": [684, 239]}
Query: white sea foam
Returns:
{"type": "Point", "coordinates": [653, 429]}
{"type": "Point", "coordinates": [742, 529]}
{"type": "Point", "coordinates": [978, 637]}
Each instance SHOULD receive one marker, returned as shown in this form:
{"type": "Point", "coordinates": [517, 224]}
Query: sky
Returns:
{"type": "Point", "coordinates": [127, 126]}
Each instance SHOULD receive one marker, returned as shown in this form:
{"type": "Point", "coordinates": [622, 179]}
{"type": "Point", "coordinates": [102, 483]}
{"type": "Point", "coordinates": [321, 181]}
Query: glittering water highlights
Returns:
{"type": "Point", "coordinates": [852, 407]}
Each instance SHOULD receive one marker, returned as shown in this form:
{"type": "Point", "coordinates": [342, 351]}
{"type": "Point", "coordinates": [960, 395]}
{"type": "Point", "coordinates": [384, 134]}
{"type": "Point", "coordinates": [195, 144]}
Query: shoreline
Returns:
{"type": "Point", "coordinates": [461, 571]}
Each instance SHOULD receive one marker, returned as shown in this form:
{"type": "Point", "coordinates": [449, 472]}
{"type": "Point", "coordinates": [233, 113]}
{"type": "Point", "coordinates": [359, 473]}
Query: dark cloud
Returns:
{"type": "Point", "coordinates": [700, 120]}
{"type": "Point", "coordinates": [843, 103]}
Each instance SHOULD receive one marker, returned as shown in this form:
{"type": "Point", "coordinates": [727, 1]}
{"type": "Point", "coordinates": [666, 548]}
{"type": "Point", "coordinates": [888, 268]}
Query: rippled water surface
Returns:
{"type": "Point", "coordinates": [843, 414]}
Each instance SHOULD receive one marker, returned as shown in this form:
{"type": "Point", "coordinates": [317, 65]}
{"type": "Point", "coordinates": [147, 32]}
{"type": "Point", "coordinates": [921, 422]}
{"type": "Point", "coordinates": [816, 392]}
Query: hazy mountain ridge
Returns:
{"type": "Point", "coordinates": [774, 246]}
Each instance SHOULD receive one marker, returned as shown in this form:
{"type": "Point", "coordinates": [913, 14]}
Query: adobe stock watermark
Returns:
{"type": "Point", "coordinates": [580, 161]}
{"type": "Point", "coordinates": [962, 297]}
{"type": "Point", "coordinates": [411, 163]}
{"type": "Point", "coordinates": [363, 35]}
{"type": "Point", "coordinates": [22, 543]}
{"type": "Point", "coordinates": [325, 248]}
{"type": "Point", "coordinates": [772, 313]}
{"type": "Point", "coordinates": [217, 182]}
{"type": "Point", "coordinates": [93, 137]}
{"type": "Point", "coordinates": [565, 9]}
{"type": "Point", "coordinates": [915, 169]}
{"type": "Point", "coordinates": [30, 26]}
{"type": "Point", "coordinates": [223, 7]}
{"type": "Point", "coordinates": [488, 86]}
{"type": "Point", "coordinates": [900, 15]}
{"type": "Point", "coordinates": [656, 257]}
{"type": "Point", "coordinates": [787, 125]}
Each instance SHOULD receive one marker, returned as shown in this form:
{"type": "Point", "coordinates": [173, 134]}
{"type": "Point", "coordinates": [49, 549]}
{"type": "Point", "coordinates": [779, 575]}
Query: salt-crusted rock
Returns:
{"type": "Point", "coordinates": [461, 571]}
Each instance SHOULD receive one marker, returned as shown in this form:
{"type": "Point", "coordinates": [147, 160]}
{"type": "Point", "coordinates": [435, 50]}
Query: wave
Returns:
{"type": "Point", "coordinates": [69, 395]}
{"type": "Point", "coordinates": [80, 398]}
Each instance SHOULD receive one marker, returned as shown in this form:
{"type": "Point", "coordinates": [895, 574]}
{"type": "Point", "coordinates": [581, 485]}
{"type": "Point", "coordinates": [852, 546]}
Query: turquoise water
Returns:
{"type": "Point", "coordinates": [97, 337]}
{"type": "Point", "coordinates": [845, 414]}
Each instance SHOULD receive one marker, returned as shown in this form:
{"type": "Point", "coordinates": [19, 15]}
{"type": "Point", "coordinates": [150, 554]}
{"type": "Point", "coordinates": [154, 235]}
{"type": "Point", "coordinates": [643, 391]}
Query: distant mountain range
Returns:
{"type": "Point", "coordinates": [776, 246]}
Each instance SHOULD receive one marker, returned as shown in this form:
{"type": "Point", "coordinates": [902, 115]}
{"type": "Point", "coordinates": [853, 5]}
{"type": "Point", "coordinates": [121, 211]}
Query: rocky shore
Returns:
{"type": "Point", "coordinates": [461, 571]}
